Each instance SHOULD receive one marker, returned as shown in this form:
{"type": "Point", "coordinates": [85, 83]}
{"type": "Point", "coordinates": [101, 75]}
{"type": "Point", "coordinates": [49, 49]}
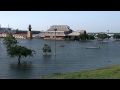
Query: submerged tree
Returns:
{"type": "Point", "coordinates": [102, 36]}
{"type": "Point", "coordinates": [116, 36]}
{"type": "Point", "coordinates": [91, 37]}
{"type": "Point", "coordinates": [19, 51]}
{"type": "Point", "coordinates": [14, 50]}
{"type": "Point", "coordinates": [83, 37]}
{"type": "Point", "coordinates": [46, 49]}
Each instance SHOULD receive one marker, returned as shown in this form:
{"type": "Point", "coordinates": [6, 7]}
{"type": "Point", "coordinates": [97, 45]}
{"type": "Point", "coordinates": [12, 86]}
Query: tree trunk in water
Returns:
{"type": "Point", "coordinates": [19, 60]}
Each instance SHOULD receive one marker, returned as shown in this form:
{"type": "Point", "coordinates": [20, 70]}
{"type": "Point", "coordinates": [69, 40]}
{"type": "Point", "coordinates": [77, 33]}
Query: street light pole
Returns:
{"type": "Point", "coordinates": [55, 41]}
{"type": "Point", "coordinates": [108, 33]}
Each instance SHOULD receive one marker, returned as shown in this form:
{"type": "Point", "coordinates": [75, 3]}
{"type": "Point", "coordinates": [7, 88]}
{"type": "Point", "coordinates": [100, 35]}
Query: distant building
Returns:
{"type": "Point", "coordinates": [21, 36]}
{"type": "Point", "coordinates": [6, 30]}
{"type": "Point", "coordinates": [61, 32]}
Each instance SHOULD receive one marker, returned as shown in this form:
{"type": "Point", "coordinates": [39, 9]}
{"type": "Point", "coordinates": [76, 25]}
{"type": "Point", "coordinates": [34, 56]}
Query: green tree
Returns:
{"type": "Point", "coordinates": [19, 51]}
{"type": "Point", "coordinates": [102, 36]}
{"type": "Point", "coordinates": [91, 37]}
{"type": "Point", "coordinates": [46, 49]}
{"type": "Point", "coordinates": [17, 30]}
{"type": "Point", "coordinates": [83, 37]}
{"type": "Point", "coordinates": [14, 50]}
{"type": "Point", "coordinates": [67, 39]}
{"type": "Point", "coordinates": [72, 38]}
{"type": "Point", "coordinates": [116, 36]}
{"type": "Point", "coordinates": [9, 40]}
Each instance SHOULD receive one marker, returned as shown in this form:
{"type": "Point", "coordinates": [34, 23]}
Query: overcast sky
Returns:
{"type": "Point", "coordinates": [91, 21]}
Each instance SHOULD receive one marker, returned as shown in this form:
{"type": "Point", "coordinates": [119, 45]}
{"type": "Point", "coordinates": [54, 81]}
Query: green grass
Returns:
{"type": "Point", "coordinates": [111, 72]}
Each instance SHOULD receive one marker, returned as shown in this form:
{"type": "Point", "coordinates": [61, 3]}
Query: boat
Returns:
{"type": "Point", "coordinates": [95, 46]}
{"type": "Point", "coordinates": [61, 45]}
{"type": "Point", "coordinates": [92, 48]}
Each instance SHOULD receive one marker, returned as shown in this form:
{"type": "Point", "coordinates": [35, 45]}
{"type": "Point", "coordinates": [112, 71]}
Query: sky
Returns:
{"type": "Point", "coordinates": [91, 21]}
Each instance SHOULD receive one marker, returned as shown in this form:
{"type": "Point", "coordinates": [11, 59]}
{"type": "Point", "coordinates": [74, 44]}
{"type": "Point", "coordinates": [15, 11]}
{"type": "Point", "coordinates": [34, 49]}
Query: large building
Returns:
{"type": "Point", "coordinates": [60, 31]}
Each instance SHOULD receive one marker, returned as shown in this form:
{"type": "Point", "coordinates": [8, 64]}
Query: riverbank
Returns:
{"type": "Point", "coordinates": [111, 72]}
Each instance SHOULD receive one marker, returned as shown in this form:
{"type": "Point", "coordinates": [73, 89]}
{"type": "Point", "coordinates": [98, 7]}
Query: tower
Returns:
{"type": "Point", "coordinates": [29, 33]}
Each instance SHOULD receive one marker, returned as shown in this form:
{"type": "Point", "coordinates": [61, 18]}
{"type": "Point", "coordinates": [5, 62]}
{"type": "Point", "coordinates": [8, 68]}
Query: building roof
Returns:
{"type": "Point", "coordinates": [2, 30]}
{"type": "Point", "coordinates": [59, 28]}
{"type": "Point", "coordinates": [50, 31]}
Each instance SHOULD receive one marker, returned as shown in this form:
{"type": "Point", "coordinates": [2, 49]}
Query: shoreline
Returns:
{"type": "Point", "coordinates": [109, 72]}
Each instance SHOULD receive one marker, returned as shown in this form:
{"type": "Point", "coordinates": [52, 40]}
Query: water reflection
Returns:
{"type": "Point", "coordinates": [22, 70]}
{"type": "Point", "coordinates": [47, 56]}
{"type": "Point", "coordinates": [25, 65]}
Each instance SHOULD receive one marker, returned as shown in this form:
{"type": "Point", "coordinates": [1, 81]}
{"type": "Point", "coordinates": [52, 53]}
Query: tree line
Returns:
{"type": "Point", "coordinates": [15, 50]}
{"type": "Point", "coordinates": [25, 31]}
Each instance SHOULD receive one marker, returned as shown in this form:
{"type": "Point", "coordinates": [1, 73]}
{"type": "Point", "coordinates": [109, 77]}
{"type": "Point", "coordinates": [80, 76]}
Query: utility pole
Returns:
{"type": "Point", "coordinates": [108, 34]}
{"type": "Point", "coordinates": [55, 41]}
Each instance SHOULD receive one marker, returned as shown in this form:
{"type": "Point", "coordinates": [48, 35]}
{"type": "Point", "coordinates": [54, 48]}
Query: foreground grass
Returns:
{"type": "Point", "coordinates": [112, 72]}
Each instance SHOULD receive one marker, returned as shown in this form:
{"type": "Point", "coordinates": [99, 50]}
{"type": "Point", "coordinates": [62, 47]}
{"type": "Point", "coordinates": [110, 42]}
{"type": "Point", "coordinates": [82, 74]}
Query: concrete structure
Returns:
{"type": "Point", "coordinates": [61, 32]}
{"type": "Point", "coordinates": [29, 33]}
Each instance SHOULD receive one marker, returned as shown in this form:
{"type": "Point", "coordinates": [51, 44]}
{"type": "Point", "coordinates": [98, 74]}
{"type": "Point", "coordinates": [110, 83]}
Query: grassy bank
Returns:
{"type": "Point", "coordinates": [112, 72]}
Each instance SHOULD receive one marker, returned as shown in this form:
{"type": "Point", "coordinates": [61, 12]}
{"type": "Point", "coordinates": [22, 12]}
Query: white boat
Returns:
{"type": "Point", "coordinates": [95, 46]}
{"type": "Point", "coordinates": [92, 47]}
